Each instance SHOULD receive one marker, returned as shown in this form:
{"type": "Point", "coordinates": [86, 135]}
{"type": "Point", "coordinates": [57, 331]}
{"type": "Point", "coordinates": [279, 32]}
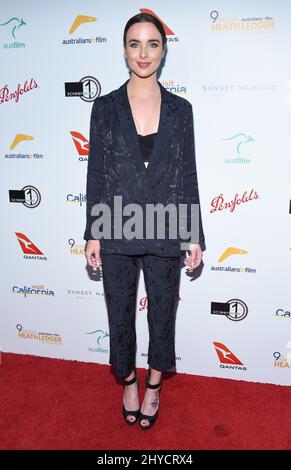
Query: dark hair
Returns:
{"type": "Point", "coordinates": [142, 18]}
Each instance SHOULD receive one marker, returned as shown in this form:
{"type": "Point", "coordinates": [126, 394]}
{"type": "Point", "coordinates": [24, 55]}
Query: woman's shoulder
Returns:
{"type": "Point", "coordinates": [179, 100]}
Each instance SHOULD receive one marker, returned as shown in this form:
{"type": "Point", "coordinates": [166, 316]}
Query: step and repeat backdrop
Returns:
{"type": "Point", "coordinates": [232, 61]}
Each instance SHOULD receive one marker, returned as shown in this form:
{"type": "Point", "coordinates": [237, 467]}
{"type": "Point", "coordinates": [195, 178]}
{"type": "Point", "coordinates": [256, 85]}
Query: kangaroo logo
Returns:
{"type": "Point", "coordinates": [101, 335]}
{"type": "Point", "coordinates": [242, 140]}
{"type": "Point", "coordinates": [16, 23]}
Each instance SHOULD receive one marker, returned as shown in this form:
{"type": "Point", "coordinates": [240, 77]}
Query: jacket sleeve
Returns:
{"type": "Point", "coordinates": [189, 174]}
{"type": "Point", "coordinates": [94, 168]}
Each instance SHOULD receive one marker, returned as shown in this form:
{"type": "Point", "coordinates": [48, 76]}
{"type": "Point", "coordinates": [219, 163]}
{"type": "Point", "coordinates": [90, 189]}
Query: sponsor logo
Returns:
{"type": "Point", "coordinates": [33, 290]}
{"type": "Point", "coordinates": [44, 337]}
{"type": "Point", "coordinates": [30, 250]}
{"type": "Point", "coordinates": [171, 37]}
{"type": "Point", "coordinates": [218, 203]}
{"type": "Point", "coordinates": [29, 196]}
{"type": "Point", "coordinates": [6, 95]}
{"type": "Point", "coordinates": [240, 140]}
{"type": "Point", "coordinates": [173, 87]}
{"type": "Point", "coordinates": [79, 21]}
{"type": "Point", "coordinates": [226, 357]}
{"type": "Point", "coordinates": [81, 144]}
{"type": "Point", "coordinates": [234, 309]}
{"type": "Point", "coordinates": [88, 88]}
{"type": "Point", "coordinates": [235, 24]}
{"type": "Point", "coordinates": [13, 25]}
{"type": "Point", "coordinates": [101, 341]}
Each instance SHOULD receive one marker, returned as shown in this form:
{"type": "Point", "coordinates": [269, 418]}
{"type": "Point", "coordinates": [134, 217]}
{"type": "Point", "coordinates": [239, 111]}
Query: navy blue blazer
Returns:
{"type": "Point", "coordinates": [116, 168]}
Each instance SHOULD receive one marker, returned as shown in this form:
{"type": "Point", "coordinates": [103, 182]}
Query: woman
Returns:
{"type": "Point", "coordinates": [141, 149]}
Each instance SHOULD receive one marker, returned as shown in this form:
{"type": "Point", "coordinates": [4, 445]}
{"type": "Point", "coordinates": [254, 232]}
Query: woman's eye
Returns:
{"type": "Point", "coordinates": [154, 44]}
{"type": "Point", "coordinates": [133, 45]}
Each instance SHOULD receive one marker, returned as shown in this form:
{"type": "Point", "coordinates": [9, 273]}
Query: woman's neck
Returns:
{"type": "Point", "coordinates": [142, 87]}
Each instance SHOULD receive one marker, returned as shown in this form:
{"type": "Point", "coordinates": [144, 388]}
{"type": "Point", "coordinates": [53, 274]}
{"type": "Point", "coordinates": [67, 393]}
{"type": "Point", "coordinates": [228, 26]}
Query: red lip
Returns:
{"type": "Point", "coordinates": [143, 65]}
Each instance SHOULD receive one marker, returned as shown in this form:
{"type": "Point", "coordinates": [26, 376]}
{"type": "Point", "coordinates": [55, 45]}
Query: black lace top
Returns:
{"type": "Point", "coordinates": [146, 143]}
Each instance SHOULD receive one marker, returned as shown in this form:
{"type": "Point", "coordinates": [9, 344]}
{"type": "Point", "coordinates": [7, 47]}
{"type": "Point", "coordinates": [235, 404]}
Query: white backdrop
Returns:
{"type": "Point", "coordinates": [232, 61]}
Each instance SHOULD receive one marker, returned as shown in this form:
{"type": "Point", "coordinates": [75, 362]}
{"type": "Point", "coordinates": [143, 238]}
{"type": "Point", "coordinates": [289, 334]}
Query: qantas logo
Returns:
{"type": "Point", "coordinates": [30, 250]}
{"type": "Point", "coordinates": [168, 31]}
{"type": "Point", "coordinates": [227, 358]}
{"type": "Point", "coordinates": [81, 143]}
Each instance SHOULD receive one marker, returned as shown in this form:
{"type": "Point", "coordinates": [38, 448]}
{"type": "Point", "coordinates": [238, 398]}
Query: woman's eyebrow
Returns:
{"type": "Point", "coordinates": [150, 40]}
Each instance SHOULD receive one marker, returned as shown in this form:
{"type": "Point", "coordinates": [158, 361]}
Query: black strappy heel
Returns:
{"type": "Point", "coordinates": [150, 419]}
{"type": "Point", "coordinates": [126, 412]}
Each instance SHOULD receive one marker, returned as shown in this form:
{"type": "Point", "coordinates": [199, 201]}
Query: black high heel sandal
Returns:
{"type": "Point", "coordinates": [126, 412]}
{"type": "Point", "coordinates": [150, 419]}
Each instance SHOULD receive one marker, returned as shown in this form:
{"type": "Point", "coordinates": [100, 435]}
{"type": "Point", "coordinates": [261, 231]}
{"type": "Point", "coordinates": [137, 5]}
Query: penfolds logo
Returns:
{"type": "Point", "coordinates": [218, 203]}
{"type": "Point", "coordinates": [6, 95]}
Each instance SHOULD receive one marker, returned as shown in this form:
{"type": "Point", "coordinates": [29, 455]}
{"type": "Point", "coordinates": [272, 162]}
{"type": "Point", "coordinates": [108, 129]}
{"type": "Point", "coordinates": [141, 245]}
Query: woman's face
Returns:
{"type": "Point", "coordinates": [144, 49]}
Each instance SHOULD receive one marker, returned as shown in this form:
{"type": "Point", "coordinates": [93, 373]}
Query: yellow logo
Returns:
{"type": "Point", "coordinates": [19, 138]}
{"type": "Point", "coordinates": [80, 19]}
{"type": "Point", "coordinates": [231, 251]}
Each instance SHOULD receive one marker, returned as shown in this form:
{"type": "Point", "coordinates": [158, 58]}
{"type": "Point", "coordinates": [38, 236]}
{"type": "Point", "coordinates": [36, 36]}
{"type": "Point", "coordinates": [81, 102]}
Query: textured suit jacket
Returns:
{"type": "Point", "coordinates": [116, 168]}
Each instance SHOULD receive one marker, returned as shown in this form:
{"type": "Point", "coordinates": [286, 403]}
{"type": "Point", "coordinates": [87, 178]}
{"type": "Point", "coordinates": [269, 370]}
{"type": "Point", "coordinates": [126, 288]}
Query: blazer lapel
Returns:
{"type": "Point", "coordinates": [166, 127]}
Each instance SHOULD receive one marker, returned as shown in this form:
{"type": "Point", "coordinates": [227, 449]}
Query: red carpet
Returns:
{"type": "Point", "coordinates": [55, 404]}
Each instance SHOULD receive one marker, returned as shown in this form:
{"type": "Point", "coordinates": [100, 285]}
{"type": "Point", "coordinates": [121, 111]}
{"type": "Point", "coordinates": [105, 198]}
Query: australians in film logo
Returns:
{"type": "Point", "coordinates": [7, 95]}
{"type": "Point", "coordinates": [229, 252]}
{"type": "Point", "coordinates": [13, 28]}
{"type": "Point", "coordinates": [79, 23]}
{"type": "Point", "coordinates": [18, 140]}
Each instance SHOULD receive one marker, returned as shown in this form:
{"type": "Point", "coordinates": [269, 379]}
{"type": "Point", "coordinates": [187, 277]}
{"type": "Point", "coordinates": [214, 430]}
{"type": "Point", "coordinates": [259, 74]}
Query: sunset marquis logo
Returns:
{"type": "Point", "coordinates": [239, 141]}
{"type": "Point", "coordinates": [219, 203]}
{"type": "Point", "coordinates": [78, 22]}
{"type": "Point", "coordinates": [44, 337]}
{"type": "Point", "coordinates": [101, 338]}
{"type": "Point", "coordinates": [7, 95]}
{"type": "Point", "coordinates": [22, 139]}
{"type": "Point", "coordinates": [238, 89]}
{"type": "Point", "coordinates": [85, 294]}
{"type": "Point", "coordinates": [234, 309]}
{"type": "Point", "coordinates": [30, 250]}
{"type": "Point", "coordinates": [34, 290]}
{"type": "Point", "coordinates": [256, 23]}
{"type": "Point", "coordinates": [81, 145]}
{"type": "Point", "coordinates": [226, 357]}
{"type": "Point", "coordinates": [171, 37]}
{"type": "Point", "coordinates": [229, 252]}
{"type": "Point", "coordinates": [174, 87]}
{"type": "Point", "coordinates": [88, 89]}
{"type": "Point", "coordinates": [29, 196]}
{"type": "Point", "coordinates": [78, 199]}
{"type": "Point", "coordinates": [13, 26]}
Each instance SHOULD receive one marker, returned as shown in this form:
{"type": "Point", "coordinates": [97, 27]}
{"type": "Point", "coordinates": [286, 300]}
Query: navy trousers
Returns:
{"type": "Point", "coordinates": [162, 282]}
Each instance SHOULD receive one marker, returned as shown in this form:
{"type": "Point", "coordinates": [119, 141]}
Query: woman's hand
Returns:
{"type": "Point", "coordinates": [194, 259]}
{"type": "Point", "coordinates": [92, 253]}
